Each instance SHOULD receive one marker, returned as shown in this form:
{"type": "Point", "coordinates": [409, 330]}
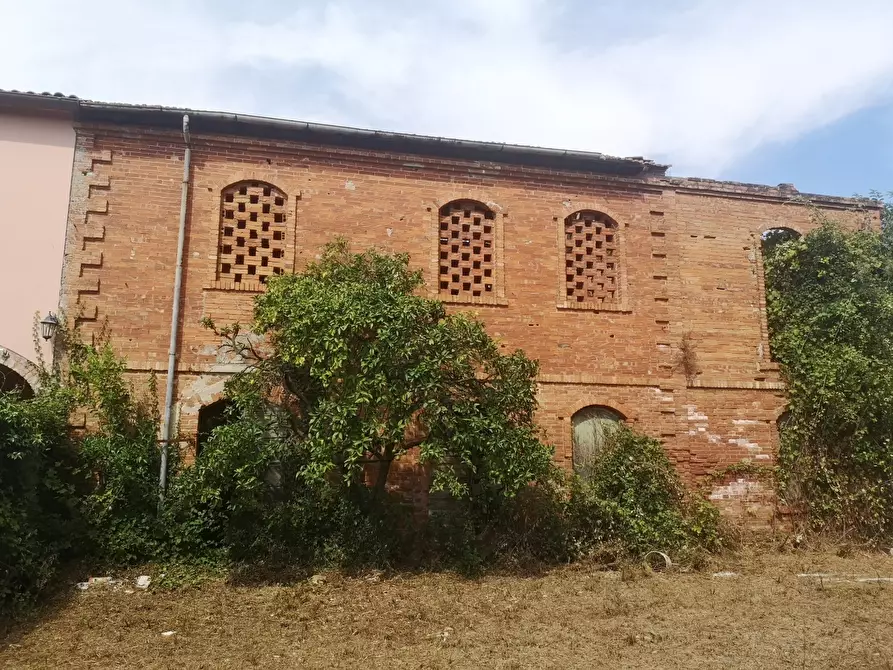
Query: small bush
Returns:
{"type": "Point", "coordinates": [632, 501]}
{"type": "Point", "coordinates": [246, 499]}
{"type": "Point", "coordinates": [120, 456]}
{"type": "Point", "coordinates": [635, 497]}
{"type": "Point", "coordinates": [38, 513]}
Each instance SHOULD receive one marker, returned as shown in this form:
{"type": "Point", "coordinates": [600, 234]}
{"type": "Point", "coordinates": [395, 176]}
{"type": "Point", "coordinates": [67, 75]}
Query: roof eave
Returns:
{"type": "Point", "coordinates": [207, 122]}
{"type": "Point", "coordinates": [38, 103]}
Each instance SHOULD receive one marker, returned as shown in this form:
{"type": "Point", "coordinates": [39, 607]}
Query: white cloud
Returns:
{"type": "Point", "coordinates": [699, 83]}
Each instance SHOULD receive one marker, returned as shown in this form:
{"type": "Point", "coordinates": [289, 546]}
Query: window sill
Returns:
{"type": "Point", "coordinates": [595, 307]}
{"type": "Point", "coordinates": [490, 301]}
{"type": "Point", "coordinates": [241, 287]}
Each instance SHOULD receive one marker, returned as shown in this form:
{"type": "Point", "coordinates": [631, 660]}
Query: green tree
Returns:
{"type": "Point", "coordinates": [830, 312]}
{"type": "Point", "coordinates": [364, 369]}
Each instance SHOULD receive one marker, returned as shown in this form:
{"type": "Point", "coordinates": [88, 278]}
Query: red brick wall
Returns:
{"type": "Point", "coordinates": [688, 254]}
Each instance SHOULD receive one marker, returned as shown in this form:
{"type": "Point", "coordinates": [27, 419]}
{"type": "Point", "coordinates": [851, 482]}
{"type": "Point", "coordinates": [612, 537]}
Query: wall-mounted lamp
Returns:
{"type": "Point", "coordinates": [48, 326]}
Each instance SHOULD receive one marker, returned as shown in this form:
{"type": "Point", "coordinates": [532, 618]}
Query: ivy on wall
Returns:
{"type": "Point", "coordinates": [830, 315]}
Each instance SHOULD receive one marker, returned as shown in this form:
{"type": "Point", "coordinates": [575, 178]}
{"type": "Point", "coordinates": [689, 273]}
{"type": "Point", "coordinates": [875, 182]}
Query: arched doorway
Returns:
{"type": "Point", "coordinates": [17, 373]}
{"type": "Point", "coordinates": [592, 426]}
{"type": "Point", "coordinates": [10, 381]}
{"type": "Point", "coordinates": [211, 416]}
{"type": "Point", "coordinates": [773, 238]}
{"type": "Point", "coordinates": [771, 241]}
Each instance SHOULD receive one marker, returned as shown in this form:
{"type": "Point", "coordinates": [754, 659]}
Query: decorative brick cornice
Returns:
{"type": "Point", "coordinates": [85, 235]}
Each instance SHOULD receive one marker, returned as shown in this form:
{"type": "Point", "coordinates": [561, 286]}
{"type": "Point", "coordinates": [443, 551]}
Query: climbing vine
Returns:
{"type": "Point", "coordinates": [830, 314]}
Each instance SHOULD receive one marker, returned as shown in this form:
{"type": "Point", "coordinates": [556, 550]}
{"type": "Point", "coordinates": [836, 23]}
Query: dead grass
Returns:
{"type": "Point", "coordinates": [576, 617]}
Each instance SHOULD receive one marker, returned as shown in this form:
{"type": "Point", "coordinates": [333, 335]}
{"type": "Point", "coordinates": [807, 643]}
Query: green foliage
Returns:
{"type": "Point", "coordinates": [367, 370]}
{"type": "Point", "coordinates": [634, 497]}
{"type": "Point", "coordinates": [632, 502]}
{"type": "Point", "coordinates": [89, 493]}
{"type": "Point", "coordinates": [350, 371]}
{"type": "Point", "coordinates": [358, 370]}
{"type": "Point", "coordinates": [246, 500]}
{"type": "Point", "coordinates": [119, 454]}
{"type": "Point", "coordinates": [830, 313]}
{"type": "Point", "coordinates": [38, 515]}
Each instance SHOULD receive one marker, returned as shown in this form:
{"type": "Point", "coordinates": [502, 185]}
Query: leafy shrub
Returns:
{"type": "Point", "coordinates": [634, 497]}
{"type": "Point", "coordinates": [632, 501]}
{"type": "Point", "coordinates": [119, 455]}
{"type": "Point", "coordinates": [38, 513]}
{"type": "Point", "coordinates": [245, 499]}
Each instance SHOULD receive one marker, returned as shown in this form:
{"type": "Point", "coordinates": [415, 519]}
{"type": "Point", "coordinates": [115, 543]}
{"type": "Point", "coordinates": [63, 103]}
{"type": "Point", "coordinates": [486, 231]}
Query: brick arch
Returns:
{"type": "Point", "coordinates": [26, 369]}
{"type": "Point", "coordinates": [620, 415]}
{"type": "Point", "coordinates": [206, 204]}
{"type": "Point", "coordinates": [199, 391]}
{"type": "Point", "coordinates": [468, 263]}
{"type": "Point", "coordinates": [592, 258]}
{"type": "Point", "coordinates": [194, 393]}
{"type": "Point", "coordinates": [587, 397]}
{"type": "Point", "coordinates": [778, 411]}
{"type": "Point", "coordinates": [466, 249]}
{"type": "Point", "coordinates": [253, 232]}
{"type": "Point", "coordinates": [571, 206]}
{"type": "Point", "coordinates": [777, 225]}
{"type": "Point", "coordinates": [476, 195]}
{"type": "Point", "coordinates": [608, 401]}
{"type": "Point", "coordinates": [614, 292]}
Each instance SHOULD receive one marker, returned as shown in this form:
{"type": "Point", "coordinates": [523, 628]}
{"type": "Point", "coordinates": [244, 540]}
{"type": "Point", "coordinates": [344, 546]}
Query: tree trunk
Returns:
{"type": "Point", "coordinates": [384, 467]}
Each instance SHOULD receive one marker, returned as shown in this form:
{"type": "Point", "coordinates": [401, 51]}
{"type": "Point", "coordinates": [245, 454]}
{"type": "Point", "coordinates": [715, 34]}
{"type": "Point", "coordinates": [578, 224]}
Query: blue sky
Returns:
{"type": "Point", "coordinates": [849, 157]}
{"type": "Point", "coordinates": [766, 91]}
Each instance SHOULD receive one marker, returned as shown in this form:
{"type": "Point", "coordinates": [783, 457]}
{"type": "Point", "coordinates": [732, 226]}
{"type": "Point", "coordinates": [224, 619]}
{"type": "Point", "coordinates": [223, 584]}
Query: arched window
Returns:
{"type": "Point", "coordinates": [770, 241]}
{"type": "Point", "coordinates": [591, 259]}
{"type": "Point", "coordinates": [782, 423]}
{"type": "Point", "coordinates": [467, 245]}
{"type": "Point", "coordinates": [253, 217]}
{"type": "Point", "coordinates": [774, 237]}
{"type": "Point", "coordinates": [212, 416]}
{"type": "Point", "coordinates": [592, 426]}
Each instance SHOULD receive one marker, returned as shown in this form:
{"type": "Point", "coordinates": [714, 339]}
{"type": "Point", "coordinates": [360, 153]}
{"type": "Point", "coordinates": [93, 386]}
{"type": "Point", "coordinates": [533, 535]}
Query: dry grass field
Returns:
{"type": "Point", "coordinates": [577, 617]}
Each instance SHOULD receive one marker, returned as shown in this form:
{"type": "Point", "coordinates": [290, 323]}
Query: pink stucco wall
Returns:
{"type": "Point", "coordinates": [35, 176]}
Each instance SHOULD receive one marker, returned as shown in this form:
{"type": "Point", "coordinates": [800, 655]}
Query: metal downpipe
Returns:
{"type": "Point", "coordinates": [167, 423]}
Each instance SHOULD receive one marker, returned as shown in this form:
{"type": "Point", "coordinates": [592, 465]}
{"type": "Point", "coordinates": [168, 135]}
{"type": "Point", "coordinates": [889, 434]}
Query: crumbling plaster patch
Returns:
{"type": "Point", "coordinates": [201, 391]}
{"type": "Point", "coordinates": [700, 423]}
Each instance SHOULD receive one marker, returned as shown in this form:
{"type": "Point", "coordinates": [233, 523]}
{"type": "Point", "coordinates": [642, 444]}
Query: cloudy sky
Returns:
{"type": "Point", "coordinates": [753, 90]}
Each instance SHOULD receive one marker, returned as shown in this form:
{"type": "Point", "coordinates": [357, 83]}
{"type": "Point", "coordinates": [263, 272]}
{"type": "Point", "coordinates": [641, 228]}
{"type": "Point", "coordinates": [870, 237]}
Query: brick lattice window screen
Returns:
{"type": "Point", "coordinates": [467, 249]}
{"type": "Point", "coordinates": [591, 259]}
{"type": "Point", "coordinates": [252, 232]}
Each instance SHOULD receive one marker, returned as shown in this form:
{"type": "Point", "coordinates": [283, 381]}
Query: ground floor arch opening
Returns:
{"type": "Point", "coordinates": [218, 413]}
{"type": "Point", "coordinates": [592, 429]}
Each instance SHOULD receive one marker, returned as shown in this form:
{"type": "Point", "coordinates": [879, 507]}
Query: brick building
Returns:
{"type": "Point", "coordinates": [640, 294]}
